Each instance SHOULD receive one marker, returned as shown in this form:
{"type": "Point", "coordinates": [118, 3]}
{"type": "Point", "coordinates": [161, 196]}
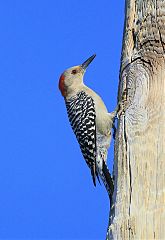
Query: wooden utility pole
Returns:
{"type": "Point", "coordinates": [139, 168]}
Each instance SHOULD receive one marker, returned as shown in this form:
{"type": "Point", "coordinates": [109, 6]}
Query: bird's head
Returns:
{"type": "Point", "coordinates": [72, 78]}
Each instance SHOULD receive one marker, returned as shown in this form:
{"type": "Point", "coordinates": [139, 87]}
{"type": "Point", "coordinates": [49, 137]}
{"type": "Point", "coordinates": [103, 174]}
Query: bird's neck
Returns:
{"type": "Point", "coordinates": [74, 89]}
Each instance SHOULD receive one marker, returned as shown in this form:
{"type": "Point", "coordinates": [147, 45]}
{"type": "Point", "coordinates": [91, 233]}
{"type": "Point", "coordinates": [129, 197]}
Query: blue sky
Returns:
{"type": "Point", "coordinates": [46, 190]}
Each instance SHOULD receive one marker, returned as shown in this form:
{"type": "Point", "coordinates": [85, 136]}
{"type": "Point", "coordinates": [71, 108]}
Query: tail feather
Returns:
{"type": "Point", "coordinates": [93, 173]}
{"type": "Point", "coordinates": [98, 177]}
{"type": "Point", "coordinates": [100, 170]}
{"type": "Point", "coordinates": [108, 179]}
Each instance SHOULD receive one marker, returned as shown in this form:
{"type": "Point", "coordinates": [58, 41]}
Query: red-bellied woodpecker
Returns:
{"type": "Point", "coordinates": [90, 121]}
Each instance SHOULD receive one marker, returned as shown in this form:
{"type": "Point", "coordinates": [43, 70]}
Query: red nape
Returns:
{"type": "Point", "coordinates": [61, 85]}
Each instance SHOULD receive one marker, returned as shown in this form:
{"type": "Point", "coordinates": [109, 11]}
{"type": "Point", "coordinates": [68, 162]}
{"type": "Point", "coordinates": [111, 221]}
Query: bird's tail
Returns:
{"type": "Point", "coordinates": [94, 173]}
{"type": "Point", "coordinates": [105, 176]}
{"type": "Point", "coordinates": [108, 181]}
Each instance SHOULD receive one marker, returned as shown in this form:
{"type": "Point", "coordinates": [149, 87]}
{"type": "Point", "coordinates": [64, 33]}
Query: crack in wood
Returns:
{"type": "Point", "coordinates": [161, 40]}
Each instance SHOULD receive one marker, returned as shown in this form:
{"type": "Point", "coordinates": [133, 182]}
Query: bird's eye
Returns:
{"type": "Point", "coordinates": [74, 71]}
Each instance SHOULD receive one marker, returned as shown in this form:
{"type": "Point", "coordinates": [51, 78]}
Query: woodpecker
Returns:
{"type": "Point", "coordinates": [90, 121]}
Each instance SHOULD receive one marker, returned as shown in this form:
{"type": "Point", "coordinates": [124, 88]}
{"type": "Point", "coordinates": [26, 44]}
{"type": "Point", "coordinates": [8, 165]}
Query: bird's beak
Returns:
{"type": "Point", "coordinates": [87, 62]}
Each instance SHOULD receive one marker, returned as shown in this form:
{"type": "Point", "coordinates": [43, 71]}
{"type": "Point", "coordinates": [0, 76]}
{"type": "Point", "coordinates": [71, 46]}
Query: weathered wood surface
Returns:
{"type": "Point", "coordinates": [139, 197]}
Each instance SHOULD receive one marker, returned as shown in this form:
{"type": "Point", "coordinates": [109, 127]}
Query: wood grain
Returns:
{"type": "Point", "coordinates": [139, 197]}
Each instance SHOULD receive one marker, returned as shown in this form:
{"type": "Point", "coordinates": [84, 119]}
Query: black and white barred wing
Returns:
{"type": "Point", "coordinates": [82, 116]}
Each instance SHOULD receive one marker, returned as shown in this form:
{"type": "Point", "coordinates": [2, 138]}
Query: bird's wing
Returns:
{"type": "Point", "coordinates": [82, 116]}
